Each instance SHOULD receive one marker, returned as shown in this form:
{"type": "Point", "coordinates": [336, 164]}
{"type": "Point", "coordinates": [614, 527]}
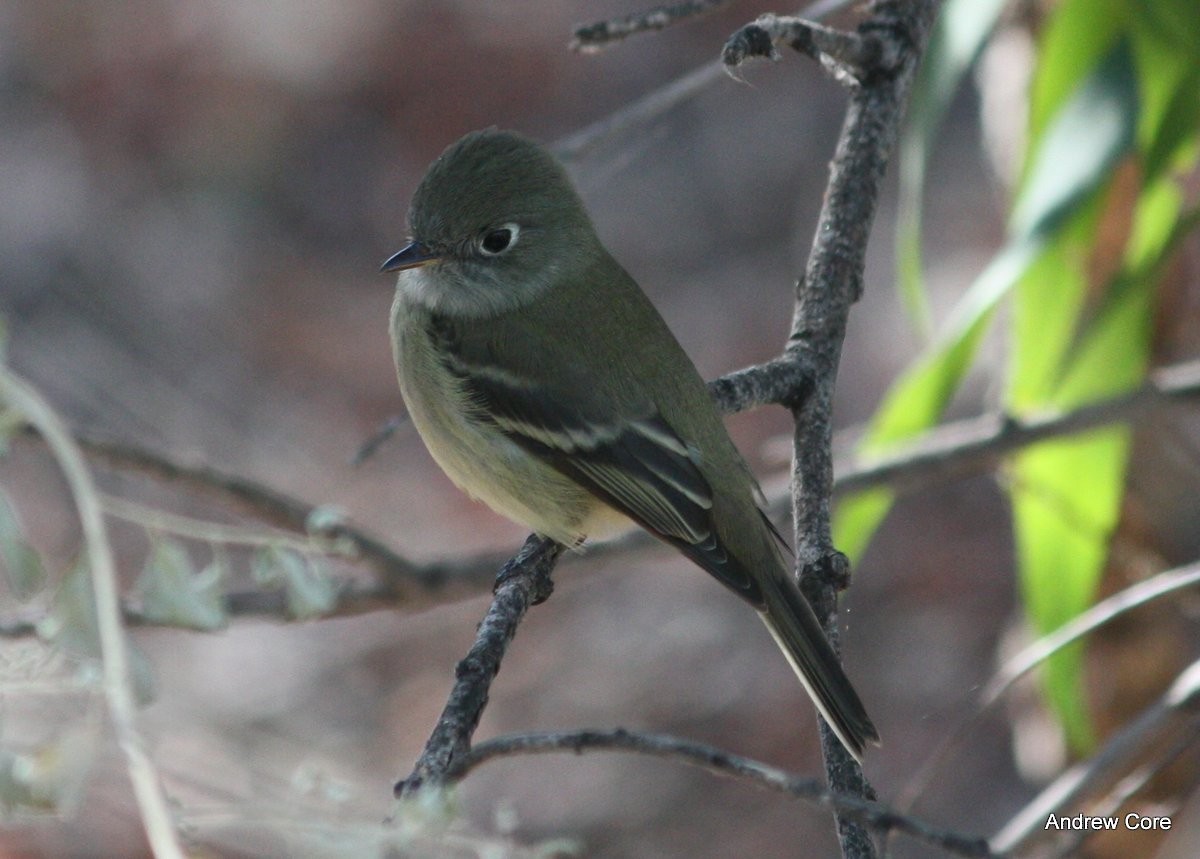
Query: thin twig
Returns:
{"type": "Point", "coordinates": [638, 113]}
{"type": "Point", "coordinates": [1159, 585]}
{"type": "Point", "coordinates": [1128, 787]}
{"type": "Point", "coordinates": [642, 111]}
{"type": "Point", "coordinates": [873, 814]}
{"type": "Point", "coordinates": [1101, 613]}
{"type": "Point", "coordinates": [386, 430]}
{"type": "Point", "coordinates": [590, 38]}
{"type": "Point", "coordinates": [191, 528]}
{"type": "Point", "coordinates": [118, 682]}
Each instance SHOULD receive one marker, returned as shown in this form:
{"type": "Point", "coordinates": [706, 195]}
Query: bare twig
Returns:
{"type": "Point", "coordinates": [118, 681]}
{"type": "Point", "coordinates": [524, 581]}
{"type": "Point", "coordinates": [630, 117]}
{"type": "Point", "coordinates": [386, 430]}
{"type": "Point", "coordinates": [599, 35]}
{"type": "Point", "coordinates": [780, 381]}
{"type": "Point", "coordinates": [401, 580]}
{"type": "Point", "coordinates": [1129, 786]}
{"type": "Point", "coordinates": [875, 815]}
{"type": "Point", "coordinates": [1101, 613]}
{"type": "Point", "coordinates": [639, 112]}
{"type": "Point", "coordinates": [1159, 585]}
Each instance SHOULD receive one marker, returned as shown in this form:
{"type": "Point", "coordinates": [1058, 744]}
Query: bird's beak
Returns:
{"type": "Point", "coordinates": [412, 255]}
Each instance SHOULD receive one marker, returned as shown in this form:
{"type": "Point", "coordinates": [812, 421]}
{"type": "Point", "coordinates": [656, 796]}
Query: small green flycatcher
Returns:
{"type": "Point", "coordinates": [545, 384]}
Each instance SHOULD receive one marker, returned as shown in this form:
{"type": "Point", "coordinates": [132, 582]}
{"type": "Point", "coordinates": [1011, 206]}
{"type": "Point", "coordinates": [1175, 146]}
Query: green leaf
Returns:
{"type": "Point", "coordinates": [1050, 298]}
{"type": "Point", "coordinates": [917, 400]}
{"type": "Point", "coordinates": [50, 777]}
{"type": "Point", "coordinates": [962, 29]}
{"type": "Point", "coordinates": [309, 589]}
{"type": "Point", "coordinates": [266, 567]}
{"type": "Point", "coordinates": [11, 423]}
{"type": "Point", "coordinates": [1082, 142]}
{"type": "Point", "coordinates": [1169, 90]}
{"type": "Point", "coordinates": [1066, 496]}
{"type": "Point", "coordinates": [1076, 36]}
{"type": "Point", "coordinates": [172, 593]}
{"type": "Point", "coordinates": [71, 626]}
{"type": "Point", "coordinates": [22, 564]}
{"type": "Point", "coordinates": [325, 518]}
{"type": "Point", "coordinates": [1175, 22]}
{"type": "Point", "coordinates": [856, 519]}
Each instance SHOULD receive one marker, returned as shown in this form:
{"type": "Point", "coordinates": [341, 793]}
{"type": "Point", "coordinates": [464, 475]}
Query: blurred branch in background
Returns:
{"type": "Point", "coordinates": [115, 655]}
{"type": "Point", "coordinates": [1164, 734]}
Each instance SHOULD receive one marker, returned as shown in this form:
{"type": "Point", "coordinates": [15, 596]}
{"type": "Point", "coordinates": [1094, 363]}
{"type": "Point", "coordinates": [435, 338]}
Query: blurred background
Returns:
{"type": "Point", "coordinates": [196, 197]}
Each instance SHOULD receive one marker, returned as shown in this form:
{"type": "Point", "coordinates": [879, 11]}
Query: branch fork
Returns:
{"type": "Point", "coordinates": [854, 58]}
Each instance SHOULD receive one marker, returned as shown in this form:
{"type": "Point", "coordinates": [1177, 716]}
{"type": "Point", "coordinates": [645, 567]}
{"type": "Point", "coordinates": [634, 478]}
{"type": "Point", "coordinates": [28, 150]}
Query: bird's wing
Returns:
{"type": "Point", "coordinates": [636, 463]}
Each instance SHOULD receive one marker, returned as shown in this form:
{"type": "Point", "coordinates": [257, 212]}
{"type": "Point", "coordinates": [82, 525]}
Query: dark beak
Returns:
{"type": "Point", "coordinates": [411, 256]}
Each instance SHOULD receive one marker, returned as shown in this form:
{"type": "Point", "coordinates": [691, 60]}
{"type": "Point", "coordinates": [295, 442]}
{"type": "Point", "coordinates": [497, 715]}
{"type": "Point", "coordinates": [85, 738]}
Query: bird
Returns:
{"type": "Point", "coordinates": [545, 383]}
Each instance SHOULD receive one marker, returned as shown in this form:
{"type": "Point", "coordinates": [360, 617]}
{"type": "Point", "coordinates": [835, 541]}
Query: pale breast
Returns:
{"type": "Point", "coordinates": [474, 454]}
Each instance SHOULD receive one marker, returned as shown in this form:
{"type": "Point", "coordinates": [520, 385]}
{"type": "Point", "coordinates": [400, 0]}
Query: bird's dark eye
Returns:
{"type": "Point", "coordinates": [497, 241]}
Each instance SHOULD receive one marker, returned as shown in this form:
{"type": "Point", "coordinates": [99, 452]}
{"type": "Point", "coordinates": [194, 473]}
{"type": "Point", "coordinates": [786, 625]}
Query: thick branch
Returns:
{"type": "Point", "coordinates": [832, 282]}
{"type": "Point", "coordinates": [878, 817]}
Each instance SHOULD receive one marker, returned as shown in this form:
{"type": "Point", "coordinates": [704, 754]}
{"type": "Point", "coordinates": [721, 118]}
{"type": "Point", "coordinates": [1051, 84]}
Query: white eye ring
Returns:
{"type": "Point", "coordinates": [499, 240]}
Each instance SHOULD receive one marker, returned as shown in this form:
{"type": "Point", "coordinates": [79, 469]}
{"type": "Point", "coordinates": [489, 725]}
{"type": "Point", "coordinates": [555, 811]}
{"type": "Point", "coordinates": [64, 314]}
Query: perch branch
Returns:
{"type": "Point", "coordinates": [523, 582]}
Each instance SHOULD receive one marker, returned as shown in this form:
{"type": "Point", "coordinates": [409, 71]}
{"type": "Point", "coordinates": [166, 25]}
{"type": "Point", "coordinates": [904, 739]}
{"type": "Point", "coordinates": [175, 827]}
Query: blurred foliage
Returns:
{"type": "Point", "coordinates": [172, 593]}
{"type": "Point", "coordinates": [1112, 134]}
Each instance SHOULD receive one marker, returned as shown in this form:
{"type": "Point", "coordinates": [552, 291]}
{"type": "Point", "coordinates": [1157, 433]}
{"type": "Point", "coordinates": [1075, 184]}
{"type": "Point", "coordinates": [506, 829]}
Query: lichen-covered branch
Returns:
{"type": "Point", "coordinates": [879, 77]}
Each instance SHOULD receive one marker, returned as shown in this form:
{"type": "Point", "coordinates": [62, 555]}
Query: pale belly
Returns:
{"type": "Point", "coordinates": [487, 465]}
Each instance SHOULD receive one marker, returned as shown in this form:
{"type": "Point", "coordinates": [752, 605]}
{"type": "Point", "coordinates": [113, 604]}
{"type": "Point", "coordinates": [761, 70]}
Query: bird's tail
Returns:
{"type": "Point", "coordinates": [796, 630]}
